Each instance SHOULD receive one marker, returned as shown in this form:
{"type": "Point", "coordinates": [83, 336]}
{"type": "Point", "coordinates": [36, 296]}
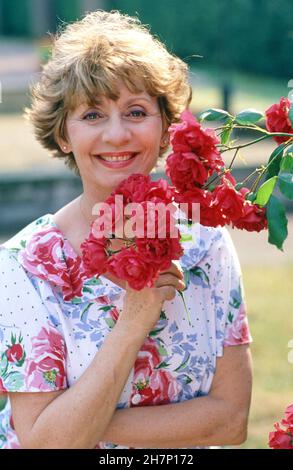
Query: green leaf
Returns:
{"type": "Point", "coordinates": [87, 289]}
{"type": "Point", "coordinates": [265, 190]}
{"type": "Point", "coordinates": [84, 311]}
{"type": "Point", "coordinates": [183, 365]}
{"type": "Point", "coordinates": [162, 365]}
{"type": "Point", "coordinates": [199, 272]}
{"type": "Point", "coordinates": [275, 158]}
{"type": "Point", "coordinates": [93, 282]}
{"type": "Point", "coordinates": [225, 135]}
{"type": "Point", "coordinates": [188, 380]}
{"type": "Point", "coordinates": [285, 181]}
{"type": "Point", "coordinates": [3, 401]}
{"type": "Point", "coordinates": [290, 114]}
{"type": "Point", "coordinates": [230, 317]}
{"type": "Point", "coordinates": [156, 332]}
{"type": "Point", "coordinates": [162, 351]}
{"type": "Point", "coordinates": [287, 161]}
{"type": "Point", "coordinates": [248, 116]}
{"type": "Point", "coordinates": [106, 308]}
{"type": "Point", "coordinates": [277, 222]}
{"type": "Point", "coordinates": [250, 197]}
{"type": "Point", "coordinates": [213, 114]}
{"type": "Point", "coordinates": [110, 322]}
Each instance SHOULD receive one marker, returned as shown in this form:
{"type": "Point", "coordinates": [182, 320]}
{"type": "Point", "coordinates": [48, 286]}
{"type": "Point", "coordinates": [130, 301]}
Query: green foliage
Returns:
{"type": "Point", "coordinates": [277, 222]}
{"type": "Point", "coordinates": [248, 116]}
{"type": "Point", "coordinates": [248, 35]}
{"type": "Point", "coordinates": [265, 191]}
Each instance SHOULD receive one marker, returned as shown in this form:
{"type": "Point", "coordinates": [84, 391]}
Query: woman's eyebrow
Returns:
{"type": "Point", "coordinates": [136, 98]}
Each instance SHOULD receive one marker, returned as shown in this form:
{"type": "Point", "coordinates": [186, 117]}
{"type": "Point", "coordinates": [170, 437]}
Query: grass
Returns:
{"type": "Point", "coordinates": [270, 299]}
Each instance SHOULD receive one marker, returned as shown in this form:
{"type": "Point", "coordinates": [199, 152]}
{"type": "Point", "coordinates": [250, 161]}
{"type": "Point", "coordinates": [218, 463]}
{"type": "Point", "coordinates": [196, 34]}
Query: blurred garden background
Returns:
{"type": "Point", "coordinates": [240, 56]}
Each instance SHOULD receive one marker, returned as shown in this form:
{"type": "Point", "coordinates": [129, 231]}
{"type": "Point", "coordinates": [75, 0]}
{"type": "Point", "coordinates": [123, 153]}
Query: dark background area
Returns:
{"type": "Point", "coordinates": [248, 35]}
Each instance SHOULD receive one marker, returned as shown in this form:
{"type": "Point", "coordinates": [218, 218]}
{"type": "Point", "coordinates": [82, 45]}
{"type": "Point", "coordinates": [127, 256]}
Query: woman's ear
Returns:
{"type": "Point", "coordinates": [164, 140]}
{"type": "Point", "coordinates": [64, 146]}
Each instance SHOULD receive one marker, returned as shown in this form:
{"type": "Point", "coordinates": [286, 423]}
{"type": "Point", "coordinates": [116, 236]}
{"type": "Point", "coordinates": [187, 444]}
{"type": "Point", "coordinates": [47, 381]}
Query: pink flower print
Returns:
{"type": "Point", "coordinates": [46, 366]}
{"type": "Point", "coordinates": [152, 386]}
{"type": "Point", "coordinates": [238, 331]}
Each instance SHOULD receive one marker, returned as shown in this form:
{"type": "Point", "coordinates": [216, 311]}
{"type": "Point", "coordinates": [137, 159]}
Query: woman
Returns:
{"type": "Point", "coordinates": [116, 367]}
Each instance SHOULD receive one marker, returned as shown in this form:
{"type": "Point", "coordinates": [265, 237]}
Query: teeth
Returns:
{"type": "Point", "coordinates": [121, 158]}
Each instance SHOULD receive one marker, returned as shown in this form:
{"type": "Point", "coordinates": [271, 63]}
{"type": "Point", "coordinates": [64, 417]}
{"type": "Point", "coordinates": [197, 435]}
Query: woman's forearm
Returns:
{"type": "Point", "coordinates": [78, 417]}
{"type": "Point", "coordinates": [202, 421]}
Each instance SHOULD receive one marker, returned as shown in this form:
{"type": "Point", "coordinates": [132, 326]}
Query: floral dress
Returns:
{"type": "Point", "coordinates": [49, 335]}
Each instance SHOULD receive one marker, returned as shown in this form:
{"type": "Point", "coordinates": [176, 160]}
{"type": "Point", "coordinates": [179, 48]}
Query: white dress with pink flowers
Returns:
{"type": "Point", "coordinates": [47, 340]}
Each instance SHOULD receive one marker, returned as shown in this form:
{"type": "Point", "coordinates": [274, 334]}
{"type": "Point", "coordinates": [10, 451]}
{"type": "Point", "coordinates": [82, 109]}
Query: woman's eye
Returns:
{"type": "Point", "coordinates": [92, 116]}
{"type": "Point", "coordinates": [137, 113]}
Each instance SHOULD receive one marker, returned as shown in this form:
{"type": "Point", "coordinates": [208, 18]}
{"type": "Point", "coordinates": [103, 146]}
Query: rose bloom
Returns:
{"type": "Point", "coordinates": [160, 252]}
{"type": "Point", "coordinates": [253, 218]}
{"type": "Point", "coordinates": [229, 201]}
{"type": "Point", "coordinates": [280, 439]}
{"type": "Point", "coordinates": [15, 353]}
{"type": "Point", "coordinates": [289, 414]}
{"type": "Point", "coordinates": [277, 119]}
{"type": "Point", "coordinates": [210, 215]}
{"type": "Point", "coordinates": [190, 136]}
{"type": "Point", "coordinates": [152, 386]}
{"type": "Point", "coordinates": [45, 369]}
{"type": "Point", "coordinates": [133, 188]}
{"type": "Point", "coordinates": [129, 266]}
{"type": "Point", "coordinates": [43, 257]}
{"type": "Point", "coordinates": [186, 170]}
{"type": "Point", "coordinates": [94, 255]}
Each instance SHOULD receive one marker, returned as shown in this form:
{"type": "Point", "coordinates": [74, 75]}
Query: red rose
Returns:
{"type": "Point", "coordinates": [280, 439]}
{"type": "Point", "coordinates": [229, 201]}
{"type": "Point", "coordinates": [160, 252]}
{"type": "Point", "coordinates": [289, 414]}
{"type": "Point", "coordinates": [159, 191]}
{"type": "Point", "coordinates": [253, 218]}
{"type": "Point", "coordinates": [209, 215]}
{"type": "Point", "coordinates": [94, 255]}
{"type": "Point", "coordinates": [129, 265]}
{"type": "Point", "coordinates": [186, 170]}
{"type": "Point", "coordinates": [277, 119]}
{"type": "Point", "coordinates": [133, 188]}
{"type": "Point", "coordinates": [15, 353]}
{"type": "Point", "coordinates": [189, 136]}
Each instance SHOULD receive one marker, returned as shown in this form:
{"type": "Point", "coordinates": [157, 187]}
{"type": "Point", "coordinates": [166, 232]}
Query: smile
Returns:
{"type": "Point", "coordinates": [116, 160]}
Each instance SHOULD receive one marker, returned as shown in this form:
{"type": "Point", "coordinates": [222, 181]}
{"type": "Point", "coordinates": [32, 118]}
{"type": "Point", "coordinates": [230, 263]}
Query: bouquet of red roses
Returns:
{"type": "Point", "coordinates": [282, 437]}
{"type": "Point", "coordinates": [200, 179]}
{"type": "Point", "coordinates": [148, 247]}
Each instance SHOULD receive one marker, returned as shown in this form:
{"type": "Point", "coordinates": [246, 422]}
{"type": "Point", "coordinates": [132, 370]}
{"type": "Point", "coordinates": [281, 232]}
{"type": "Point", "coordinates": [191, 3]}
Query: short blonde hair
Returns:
{"type": "Point", "coordinates": [88, 59]}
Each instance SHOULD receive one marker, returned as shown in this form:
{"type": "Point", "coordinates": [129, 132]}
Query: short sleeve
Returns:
{"type": "Point", "coordinates": [32, 350]}
{"type": "Point", "coordinates": [228, 296]}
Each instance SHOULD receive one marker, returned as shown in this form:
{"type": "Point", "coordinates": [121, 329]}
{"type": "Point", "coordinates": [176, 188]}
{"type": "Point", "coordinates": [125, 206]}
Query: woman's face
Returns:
{"type": "Point", "coordinates": [114, 139]}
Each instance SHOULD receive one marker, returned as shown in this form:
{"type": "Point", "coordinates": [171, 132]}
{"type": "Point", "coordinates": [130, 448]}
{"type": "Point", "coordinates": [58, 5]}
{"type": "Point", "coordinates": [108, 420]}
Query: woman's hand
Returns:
{"type": "Point", "coordinates": [143, 308]}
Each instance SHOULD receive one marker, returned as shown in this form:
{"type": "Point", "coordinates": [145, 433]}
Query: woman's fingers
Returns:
{"type": "Point", "coordinates": [171, 280]}
{"type": "Point", "coordinates": [174, 269]}
{"type": "Point", "coordinates": [167, 292]}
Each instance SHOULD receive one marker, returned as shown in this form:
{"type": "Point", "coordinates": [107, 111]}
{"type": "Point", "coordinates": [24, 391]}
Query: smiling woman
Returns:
{"type": "Point", "coordinates": [115, 367]}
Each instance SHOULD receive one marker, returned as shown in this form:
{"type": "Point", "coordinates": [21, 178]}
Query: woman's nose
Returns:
{"type": "Point", "coordinates": [116, 131]}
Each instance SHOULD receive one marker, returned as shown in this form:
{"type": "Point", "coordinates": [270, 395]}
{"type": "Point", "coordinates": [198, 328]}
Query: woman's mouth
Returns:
{"type": "Point", "coordinates": [115, 160]}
